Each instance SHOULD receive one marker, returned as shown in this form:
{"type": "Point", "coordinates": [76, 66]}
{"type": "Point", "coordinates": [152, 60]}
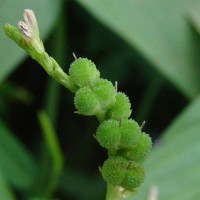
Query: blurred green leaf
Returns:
{"type": "Point", "coordinates": [194, 16]}
{"type": "Point", "coordinates": [51, 141]}
{"type": "Point", "coordinates": [174, 164]}
{"type": "Point", "coordinates": [16, 164]}
{"type": "Point", "coordinates": [159, 31]}
{"type": "Point", "coordinates": [12, 92]}
{"type": "Point", "coordinates": [81, 186]}
{"type": "Point", "coordinates": [40, 198]}
{"type": "Point", "coordinates": [11, 11]}
{"type": "Point", "coordinates": [5, 192]}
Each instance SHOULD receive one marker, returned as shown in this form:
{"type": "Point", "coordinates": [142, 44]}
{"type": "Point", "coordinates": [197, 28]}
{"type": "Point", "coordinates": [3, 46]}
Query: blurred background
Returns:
{"type": "Point", "coordinates": [151, 48]}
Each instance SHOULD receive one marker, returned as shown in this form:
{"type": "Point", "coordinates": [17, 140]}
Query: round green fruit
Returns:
{"type": "Point", "coordinates": [83, 72]}
{"type": "Point", "coordinates": [114, 170]}
{"type": "Point", "coordinates": [108, 134]}
{"type": "Point", "coordinates": [130, 133]}
{"type": "Point", "coordinates": [140, 151]}
{"type": "Point", "coordinates": [105, 93]}
{"type": "Point", "coordinates": [86, 102]}
{"type": "Point", "coordinates": [121, 108]}
{"type": "Point", "coordinates": [134, 177]}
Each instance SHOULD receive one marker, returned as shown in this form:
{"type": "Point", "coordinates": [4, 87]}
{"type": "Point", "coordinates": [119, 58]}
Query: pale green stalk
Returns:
{"type": "Point", "coordinates": [52, 143]}
{"type": "Point", "coordinates": [27, 37]}
{"type": "Point", "coordinates": [118, 193]}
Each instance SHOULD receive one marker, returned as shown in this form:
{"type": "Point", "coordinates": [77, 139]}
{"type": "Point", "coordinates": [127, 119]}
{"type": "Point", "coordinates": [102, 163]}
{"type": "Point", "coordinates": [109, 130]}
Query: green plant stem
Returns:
{"type": "Point", "coordinates": [54, 70]}
{"type": "Point", "coordinates": [35, 48]}
{"type": "Point", "coordinates": [118, 193]}
{"type": "Point", "coordinates": [54, 150]}
{"type": "Point", "coordinates": [112, 193]}
{"type": "Point", "coordinates": [101, 116]}
{"type": "Point", "coordinates": [53, 88]}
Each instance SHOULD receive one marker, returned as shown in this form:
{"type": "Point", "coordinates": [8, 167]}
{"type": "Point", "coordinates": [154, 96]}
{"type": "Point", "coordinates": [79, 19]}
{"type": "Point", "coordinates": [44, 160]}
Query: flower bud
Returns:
{"type": "Point", "coordinates": [30, 31]}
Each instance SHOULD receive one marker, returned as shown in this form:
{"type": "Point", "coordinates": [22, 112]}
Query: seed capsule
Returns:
{"type": "Point", "coordinates": [108, 134]}
{"type": "Point", "coordinates": [105, 93]}
{"type": "Point", "coordinates": [130, 132]}
{"type": "Point", "coordinates": [121, 172]}
{"type": "Point", "coordinates": [114, 170]}
{"type": "Point", "coordinates": [83, 72]}
{"type": "Point", "coordinates": [86, 102]}
{"type": "Point", "coordinates": [134, 176]}
{"type": "Point", "coordinates": [115, 135]}
{"type": "Point", "coordinates": [121, 108]}
{"type": "Point", "coordinates": [140, 151]}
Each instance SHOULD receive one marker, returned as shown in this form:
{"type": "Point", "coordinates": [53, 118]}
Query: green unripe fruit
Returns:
{"type": "Point", "coordinates": [86, 102]}
{"type": "Point", "coordinates": [134, 177]}
{"type": "Point", "coordinates": [121, 108]}
{"type": "Point", "coordinates": [121, 172]}
{"type": "Point", "coordinates": [114, 135]}
{"type": "Point", "coordinates": [130, 132]}
{"type": "Point", "coordinates": [139, 152]}
{"type": "Point", "coordinates": [108, 134]}
{"type": "Point", "coordinates": [114, 170]}
{"type": "Point", "coordinates": [95, 98]}
{"type": "Point", "coordinates": [83, 72]}
{"type": "Point", "coordinates": [105, 93]}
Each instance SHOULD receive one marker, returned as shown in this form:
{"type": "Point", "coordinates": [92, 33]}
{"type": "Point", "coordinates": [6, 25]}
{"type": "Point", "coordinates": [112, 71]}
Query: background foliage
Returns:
{"type": "Point", "coordinates": [150, 47]}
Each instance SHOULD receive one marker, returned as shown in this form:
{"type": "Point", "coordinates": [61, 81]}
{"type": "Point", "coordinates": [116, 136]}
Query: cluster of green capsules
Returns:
{"type": "Point", "coordinates": [123, 138]}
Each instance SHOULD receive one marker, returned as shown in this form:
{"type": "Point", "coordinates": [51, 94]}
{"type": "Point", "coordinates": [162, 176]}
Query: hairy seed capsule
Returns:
{"type": "Point", "coordinates": [108, 134]}
{"type": "Point", "coordinates": [134, 176]}
{"type": "Point", "coordinates": [115, 135]}
{"type": "Point", "coordinates": [130, 132]}
{"type": "Point", "coordinates": [120, 172]}
{"type": "Point", "coordinates": [83, 72]}
{"type": "Point", "coordinates": [121, 108]}
{"type": "Point", "coordinates": [140, 151]}
{"type": "Point", "coordinates": [86, 102]}
{"type": "Point", "coordinates": [105, 93]}
{"type": "Point", "coordinates": [114, 170]}
{"type": "Point", "coordinates": [95, 98]}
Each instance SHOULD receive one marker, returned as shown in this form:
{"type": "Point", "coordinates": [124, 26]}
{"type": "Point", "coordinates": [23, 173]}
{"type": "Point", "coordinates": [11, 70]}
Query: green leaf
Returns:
{"type": "Point", "coordinates": [173, 166]}
{"type": "Point", "coordinates": [194, 17]}
{"type": "Point", "coordinates": [11, 11]}
{"type": "Point", "coordinates": [159, 31]}
{"type": "Point", "coordinates": [40, 198]}
{"type": "Point", "coordinates": [5, 191]}
{"type": "Point", "coordinates": [16, 163]}
{"type": "Point", "coordinates": [81, 186]}
{"type": "Point", "coordinates": [52, 144]}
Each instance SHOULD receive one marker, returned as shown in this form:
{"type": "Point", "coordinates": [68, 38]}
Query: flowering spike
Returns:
{"type": "Point", "coordinates": [123, 138]}
{"type": "Point", "coordinates": [27, 37]}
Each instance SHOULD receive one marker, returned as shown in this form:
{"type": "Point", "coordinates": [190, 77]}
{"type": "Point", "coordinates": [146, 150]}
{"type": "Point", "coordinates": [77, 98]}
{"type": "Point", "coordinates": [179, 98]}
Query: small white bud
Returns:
{"type": "Point", "coordinates": [30, 30]}
{"type": "Point", "coordinates": [30, 27]}
{"type": "Point", "coordinates": [25, 29]}
{"type": "Point", "coordinates": [31, 21]}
